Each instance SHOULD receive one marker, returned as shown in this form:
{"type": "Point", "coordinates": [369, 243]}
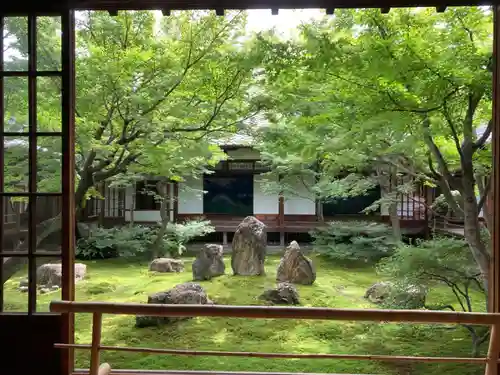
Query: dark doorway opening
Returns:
{"type": "Point", "coordinates": [351, 205]}
{"type": "Point", "coordinates": [231, 195]}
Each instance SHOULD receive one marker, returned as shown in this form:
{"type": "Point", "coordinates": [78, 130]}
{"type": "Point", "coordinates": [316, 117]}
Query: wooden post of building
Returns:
{"type": "Point", "coordinates": [102, 204]}
{"type": "Point", "coordinates": [494, 277]}
{"type": "Point", "coordinates": [68, 182]}
{"type": "Point", "coordinates": [281, 218]}
{"type": "Point", "coordinates": [176, 200]}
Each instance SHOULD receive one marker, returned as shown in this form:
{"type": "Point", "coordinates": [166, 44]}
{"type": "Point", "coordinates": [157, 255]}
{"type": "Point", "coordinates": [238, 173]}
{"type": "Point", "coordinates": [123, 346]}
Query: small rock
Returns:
{"type": "Point", "coordinates": [249, 248]}
{"type": "Point", "coordinates": [394, 296]}
{"type": "Point", "coordinates": [283, 294]}
{"type": "Point", "coordinates": [209, 263]}
{"type": "Point", "coordinates": [295, 267]}
{"type": "Point", "coordinates": [44, 290]}
{"type": "Point", "coordinates": [187, 293]}
{"type": "Point", "coordinates": [23, 283]}
{"type": "Point", "coordinates": [23, 289]}
{"type": "Point", "coordinates": [51, 273]}
{"type": "Point", "coordinates": [166, 265]}
{"type": "Point", "coordinates": [54, 287]}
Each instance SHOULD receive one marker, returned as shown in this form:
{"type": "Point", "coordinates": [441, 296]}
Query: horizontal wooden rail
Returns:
{"type": "Point", "coordinates": [274, 312]}
{"type": "Point", "coordinates": [357, 357]}
{"type": "Point", "coordinates": [490, 362]}
{"type": "Point", "coordinates": [194, 372]}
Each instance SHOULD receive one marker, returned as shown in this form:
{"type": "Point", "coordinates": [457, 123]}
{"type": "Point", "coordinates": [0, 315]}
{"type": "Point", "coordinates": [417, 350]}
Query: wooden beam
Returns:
{"type": "Point", "coordinates": [213, 353]}
{"type": "Point", "coordinates": [330, 11]}
{"type": "Point", "coordinates": [277, 312]}
{"type": "Point", "coordinates": [385, 10]}
{"type": "Point", "coordinates": [441, 9]}
{"type": "Point", "coordinates": [113, 13]}
{"type": "Point", "coordinates": [275, 11]}
{"type": "Point", "coordinates": [219, 12]}
{"type": "Point", "coordinates": [166, 12]}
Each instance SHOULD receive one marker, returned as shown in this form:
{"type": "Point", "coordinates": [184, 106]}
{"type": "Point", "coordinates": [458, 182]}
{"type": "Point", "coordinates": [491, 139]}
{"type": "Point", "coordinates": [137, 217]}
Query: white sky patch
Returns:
{"type": "Point", "coordinates": [286, 21]}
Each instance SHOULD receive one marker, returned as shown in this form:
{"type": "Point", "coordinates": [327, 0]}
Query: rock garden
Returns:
{"type": "Point", "coordinates": [249, 275]}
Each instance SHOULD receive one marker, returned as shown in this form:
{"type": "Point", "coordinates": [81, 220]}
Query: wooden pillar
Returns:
{"type": "Point", "coordinates": [281, 219]}
{"type": "Point", "coordinates": [494, 277]}
{"type": "Point", "coordinates": [176, 201]}
{"type": "Point", "coordinates": [68, 181]}
{"type": "Point", "coordinates": [102, 203]}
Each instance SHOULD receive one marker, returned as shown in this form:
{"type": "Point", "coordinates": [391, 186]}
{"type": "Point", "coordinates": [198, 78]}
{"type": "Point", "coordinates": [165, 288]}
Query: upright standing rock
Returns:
{"type": "Point", "coordinates": [249, 248]}
{"type": "Point", "coordinates": [209, 263]}
{"type": "Point", "coordinates": [295, 267]}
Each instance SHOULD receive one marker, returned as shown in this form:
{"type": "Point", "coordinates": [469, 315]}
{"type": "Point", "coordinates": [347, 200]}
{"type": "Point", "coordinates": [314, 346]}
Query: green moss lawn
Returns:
{"type": "Point", "coordinates": [341, 287]}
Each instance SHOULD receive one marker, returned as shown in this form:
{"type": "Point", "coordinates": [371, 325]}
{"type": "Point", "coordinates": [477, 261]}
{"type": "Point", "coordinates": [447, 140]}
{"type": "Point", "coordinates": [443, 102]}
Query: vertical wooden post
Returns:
{"type": "Point", "coordinates": [102, 204]}
{"type": "Point", "coordinates": [281, 215]}
{"type": "Point", "coordinates": [494, 276]}
{"type": "Point", "coordinates": [176, 200]}
{"type": "Point", "coordinates": [493, 351]}
{"type": "Point", "coordinates": [68, 181]}
{"type": "Point", "coordinates": [96, 343]}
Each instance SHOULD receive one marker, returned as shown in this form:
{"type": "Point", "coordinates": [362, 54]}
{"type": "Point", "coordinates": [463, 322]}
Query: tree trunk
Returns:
{"type": "Point", "coordinates": [158, 243]}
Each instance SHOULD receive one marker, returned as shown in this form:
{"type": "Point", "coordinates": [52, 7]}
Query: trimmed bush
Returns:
{"type": "Point", "coordinates": [357, 241]}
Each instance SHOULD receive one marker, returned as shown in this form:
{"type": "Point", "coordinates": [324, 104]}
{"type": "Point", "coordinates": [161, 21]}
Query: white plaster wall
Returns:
{"type": "Point", "coordinates": [191, 196]}
{"type": "Point", "coordinates": [243, 154]}
{"type": "Point", "coordinates": [303, 203]}
{"type": "Point", "coordinates": [263, 203]}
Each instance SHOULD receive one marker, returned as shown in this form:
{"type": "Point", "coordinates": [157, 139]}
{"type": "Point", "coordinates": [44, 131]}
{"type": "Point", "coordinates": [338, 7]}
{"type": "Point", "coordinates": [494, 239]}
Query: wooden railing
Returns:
{"type": "Point", "coordinates": [490, 362]}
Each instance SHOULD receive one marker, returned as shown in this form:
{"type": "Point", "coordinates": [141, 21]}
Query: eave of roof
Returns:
{"type": "Point", "coordinates": [48, 6]}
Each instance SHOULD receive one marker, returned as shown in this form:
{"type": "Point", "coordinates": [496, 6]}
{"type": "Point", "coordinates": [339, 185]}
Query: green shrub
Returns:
{"type": "Point", "coordinates": [358, 241]}
{"type": "Point", "coordinates": [125, 241]}
{"type": "Point", "coordinates": [177, 235]}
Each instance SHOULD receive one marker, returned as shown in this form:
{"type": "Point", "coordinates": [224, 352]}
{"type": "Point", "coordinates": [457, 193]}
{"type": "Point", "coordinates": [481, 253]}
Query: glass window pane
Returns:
{"type": "Point", "coordinates": [48, 221]}
{"type": "Point", "coordinates": [15, 36]}
{"type": "Point", "coordinates": [15, 289]}
{"type": "Point", "coordinates": [15, 104]}
{"type": "Point", "coordinates": [16, 164]}
{"type": "Point", "coordinates": [15, 240]}
{"type": "Point", "coordinates": [48, 43]}
{"type": "Point", "coordinates": [48, 282]}
{"type": "Point", "coordinates": [49, 161]}
{"type": "Point", "coordinates": [49, 116]}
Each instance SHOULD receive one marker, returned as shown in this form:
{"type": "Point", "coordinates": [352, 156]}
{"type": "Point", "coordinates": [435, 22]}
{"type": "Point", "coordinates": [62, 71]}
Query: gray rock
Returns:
{"type": "Point", "coordinates": [54, 287]}
{"type": "Point", "coordinates": [295, 268]}
{"type": "Point", "coordinates": [395, 296]}
{"type": "Point", "coordinates": [166, 265]}
{"type": "Point", "coordinates": [44, 290]}
{"type": "Point", "coordinates": [187, 293]}
{"type": "Point", "coordinates": [249, 248]}
{"type": "Point", "coordinates": [51, 274]}
{"type": "Point", "coordinates": [283, 294]}
{"type": "Point", "coordinates": [23, 282]}
{"type": "Point", "coordinates": [23, 289]}
{"type": "Point", "coordinates": [209, 263]}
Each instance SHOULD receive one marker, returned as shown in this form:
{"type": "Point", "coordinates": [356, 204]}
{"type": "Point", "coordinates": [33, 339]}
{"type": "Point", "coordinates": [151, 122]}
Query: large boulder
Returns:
{"type": "Point", "coordinates": [50, 274]}
{"type": "Point", "coordinates": [295, 267]}
{"type": "Point", "coordinates": [283, 294]}
{"type": "Point", "coordinates": [249, 248]}
{"type": "Point", "coordinates": [395, 296]}
{"type": "Point", "coordinates": [209, 263]}
{"type": "Point", "coordinates": [182, 294]}
{"type": "Point", "coordinates": [166, 265]}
